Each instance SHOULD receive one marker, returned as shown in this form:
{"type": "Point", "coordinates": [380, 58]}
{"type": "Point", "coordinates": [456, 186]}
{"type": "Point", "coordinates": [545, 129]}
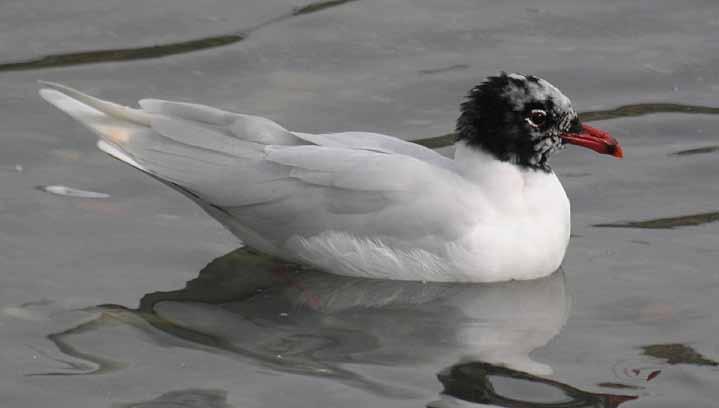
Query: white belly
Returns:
{"type": "Point", "coordinates": [524, 256]}
{"type": "Point", "coordinates": [525, 245]}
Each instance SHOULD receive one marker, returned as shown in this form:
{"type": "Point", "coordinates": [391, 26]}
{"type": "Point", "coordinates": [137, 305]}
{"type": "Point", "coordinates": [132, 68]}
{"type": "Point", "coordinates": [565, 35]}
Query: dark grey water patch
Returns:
{"type": "Point", "coordinates": [667, 223]}
{"type": "Point", "coordinates": [619, 386]}
{"type": "Point", "coordinates": [455, 67]}
{"type": "Point", "coordinates": [121, 54]}
{"type": "Point", "coordinates": [699, 150]}
{"type": "Point", "coordinates": [194, 337]}
{"type": "Point", "coordinates": [235, 276]}
{"type": "Point", "coordinates": [94, 364]}
{"type": "Point", "coordinates": [641, 109]}
{"type": "Point", "coordinates": [437, 141]}
{"type": "Point", "coordinates": [319, 6]}
{"type": "Point", "coordinates": [190, 398]}
{"type": "Point", "coordinates": [577, 174]}
{"type": "Point", "coordinates": [676, 353]}
{"type": "Point", "coordinates": [476, 383]}
{"type": "Point", "coordinates": [624, 111]}
{"type": "Point", "coordinates": [159, 50]}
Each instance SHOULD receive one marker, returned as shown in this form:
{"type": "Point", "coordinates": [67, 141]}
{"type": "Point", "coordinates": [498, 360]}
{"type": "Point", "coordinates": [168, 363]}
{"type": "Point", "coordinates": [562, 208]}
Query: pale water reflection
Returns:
{"type": "Point", "coordinates": [262, 312]}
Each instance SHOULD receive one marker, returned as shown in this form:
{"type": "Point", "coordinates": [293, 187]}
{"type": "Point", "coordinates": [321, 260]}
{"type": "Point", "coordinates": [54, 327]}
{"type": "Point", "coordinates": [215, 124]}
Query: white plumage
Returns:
{"type": "Point", "coordinates": [353, 203]}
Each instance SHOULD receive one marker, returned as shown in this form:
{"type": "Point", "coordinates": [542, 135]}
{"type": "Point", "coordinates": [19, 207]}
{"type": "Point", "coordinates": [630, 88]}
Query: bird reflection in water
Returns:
{"type": "Point", "coordinates": [279, 316]}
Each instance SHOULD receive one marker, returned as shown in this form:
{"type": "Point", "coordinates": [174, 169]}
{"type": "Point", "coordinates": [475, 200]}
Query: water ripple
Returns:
{"type": "Point", "coordinates": [632, 110]}
{"type": "Point", "coordinates": [159, 50]}
{"type": "Point", "coordinates": [667, 223]}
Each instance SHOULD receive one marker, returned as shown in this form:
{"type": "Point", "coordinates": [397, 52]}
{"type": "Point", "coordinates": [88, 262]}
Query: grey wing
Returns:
{"type": "Point", "coordinates": [363, 193]}
{"type": "Point", "coordinates": [268, 184]}
{"type": "Point", "coordinates": [379, 143]}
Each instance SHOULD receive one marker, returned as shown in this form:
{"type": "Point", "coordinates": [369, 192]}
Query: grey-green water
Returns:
{"type": "Point", "coordinates": [110, 302]}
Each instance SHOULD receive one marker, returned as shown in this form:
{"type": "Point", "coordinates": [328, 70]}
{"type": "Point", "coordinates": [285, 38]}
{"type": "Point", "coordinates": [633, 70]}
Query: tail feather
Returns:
{"type": "Point", "coordinates": [115, 132]}
{"type": "Point", "coordinates": [179, 145]}
{"type": "Point", "coordinates": [114, 110]}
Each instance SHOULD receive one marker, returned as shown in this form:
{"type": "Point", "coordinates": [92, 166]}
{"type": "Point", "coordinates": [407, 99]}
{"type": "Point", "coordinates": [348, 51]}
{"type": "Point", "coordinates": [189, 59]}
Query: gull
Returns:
{"type": "Point", "coordinates": [365, 204]}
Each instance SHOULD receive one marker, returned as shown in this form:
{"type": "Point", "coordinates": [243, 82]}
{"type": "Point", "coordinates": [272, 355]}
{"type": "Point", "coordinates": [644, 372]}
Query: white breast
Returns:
{"type": "Point", "coordinates": [526, 235]}
{"type": "Point", "coordinates": [530, 232]}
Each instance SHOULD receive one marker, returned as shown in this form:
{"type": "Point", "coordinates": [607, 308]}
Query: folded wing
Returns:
{"type": "Point", "coordinates": [271, 186]}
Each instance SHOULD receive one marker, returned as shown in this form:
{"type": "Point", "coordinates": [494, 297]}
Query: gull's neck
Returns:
{"type": "Point", "coordinates": [505, 184]}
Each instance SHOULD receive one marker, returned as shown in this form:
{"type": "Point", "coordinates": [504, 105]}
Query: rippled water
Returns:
{"type": "Point", "coordinates": [101, 301]}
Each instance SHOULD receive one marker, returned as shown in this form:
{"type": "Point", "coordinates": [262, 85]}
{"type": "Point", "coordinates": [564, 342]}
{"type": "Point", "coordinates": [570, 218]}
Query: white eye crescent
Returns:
{"type": "Point", "coordinates": [537, 118]}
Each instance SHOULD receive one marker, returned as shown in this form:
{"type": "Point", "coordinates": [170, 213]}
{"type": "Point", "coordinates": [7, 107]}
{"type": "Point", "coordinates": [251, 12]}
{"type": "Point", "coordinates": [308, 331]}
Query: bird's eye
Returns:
{"type": "Point", "coordinates": [537, 117]}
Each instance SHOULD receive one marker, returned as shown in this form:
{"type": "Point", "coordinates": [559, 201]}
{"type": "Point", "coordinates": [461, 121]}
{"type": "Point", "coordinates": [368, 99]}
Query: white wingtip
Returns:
{"type": "Point", "coordinates": [114, 110]}
{"type": "Point", "coordinates": [117, 126]}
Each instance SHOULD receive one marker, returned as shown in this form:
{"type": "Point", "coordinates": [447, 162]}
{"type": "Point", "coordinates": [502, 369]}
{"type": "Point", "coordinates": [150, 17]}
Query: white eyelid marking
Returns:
{"type": "Point", "coordinates": [531, 123]}
{"type": "Point", "coordinates": [529, 120]}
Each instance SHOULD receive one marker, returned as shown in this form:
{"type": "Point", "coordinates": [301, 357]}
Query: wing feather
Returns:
{"type": "Point", "coordinates": [268, 184]}
{"type": "Point", "coordinates": [378, 143]}
{"type": "Point", "coordinates": [357, 169]}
